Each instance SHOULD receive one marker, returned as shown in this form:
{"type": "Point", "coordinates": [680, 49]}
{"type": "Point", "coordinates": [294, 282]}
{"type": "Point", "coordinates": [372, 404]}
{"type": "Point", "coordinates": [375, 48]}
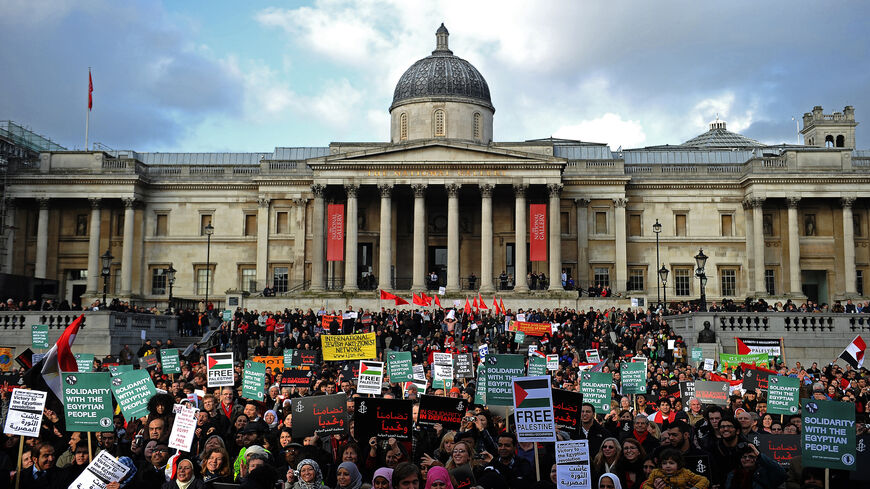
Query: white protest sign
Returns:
{"type": "Point", "coordinates": [533, 409]}
{"type": "Point", "coordinates": [483, 351]}
{"type": "Point", "coordinates": [553, 362]}
{"type": "Point", "coordinates": [708, 364]}
{"type": "Point", "coordinates": [371, 376]}
{"type": "Point", "coordinates": [25, 412]}
{"type": "Point", "coordinates": [671, 344]}
{"type": "Point", "coordinates": [521, 317]}
{"type": "Point", "coordinates": [104, 469]}
{"type": "Point", "coordinates": [442, 367]}
{"type": "Point", "coordinates": [183, 430]}
{"type": "Point", "coordinates": [533, 350]}
{"type": "Point", "coordinates": [219, 369]}
{"type": "Point", "coordinates": [592, 356]}
{"type": "Point", "coordinates": [572, 465]}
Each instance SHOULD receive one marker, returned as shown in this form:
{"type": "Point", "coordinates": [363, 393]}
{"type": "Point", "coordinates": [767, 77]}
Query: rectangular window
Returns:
{"type": "Point", "coordinates": [162, 228]}
{"type": "Point", "coordinates": [634, 225]}
{"type": "Point", "coordinates": [859, 282]}
{"type": "Point", "coordinates": [249, 280]}
{"type": "Point", "coordinates": [602, 277]}
{"type": "Point", "coordinates": [857, 220]}
{"type": "Point", "coordinates": [635, 279]}
{"type": "Point", "coordinates": [82, 225]}
{"type": "Point", "coordinates": [280, 278]}
{"type": "Point", "coordinates": [682, 281]}
{"type": "Point", "coordinates": [563, 223]}
{"type": "Point", "coordinates": [158, 281]}
{"type": "Point", "coordinates": [119, 224]}
{"type": "Point", "coordinates": [282, 222]}
{"type": "Point", "coordinates": [729, 282]}
{"type": "Point", "coordinates": [250, 224]}
{"type": "Point", "coordinates": [204, 220]}
{"type": "Point", "coordinates": [679, 224]}
{"type": "Point", "coordinates": [769, 281]}
{"type": "Point", "coordinates": [600, 223]}
{"type": "Point", "coordinates": [204, 276]}
{"type": "Point", "coordinates": [727, 221]}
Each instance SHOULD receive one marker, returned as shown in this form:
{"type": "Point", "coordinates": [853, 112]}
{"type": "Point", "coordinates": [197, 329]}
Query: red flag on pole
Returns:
{"type": "Point", "coordinates": [480, 301]}
{"type": "Point", "coordinates": [426, 299]}
{"type": "Point", "coordinates": [538, 232]}
{"type": "Point", "coordinates": [90, 91]}
{"type": "Point", "coordinates": [501, 305]}
{"type": "Point", "coordinates": [438, 302]}
{"type": "Point", "coordinates": [495, 306]}
{"type": "Point", "coordinates": [417, 300]}
{"type": "Point", "coordinates": [474, 303]}
{"type": "Point", "coordinates": [400, 301]}
{"type": "Point", "coordinates": [467, 306]}
{"type": "Point", "coordinates": [386, 296]}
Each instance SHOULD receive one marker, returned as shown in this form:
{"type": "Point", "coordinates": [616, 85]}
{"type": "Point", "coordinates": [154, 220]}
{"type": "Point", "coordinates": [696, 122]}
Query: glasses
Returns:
{"type": "Point", "coordinates": [163, 450]}
{"type": "Point", "coordinates": [630, 447]}
{"type": "Point", "coordinates": [726, 427]}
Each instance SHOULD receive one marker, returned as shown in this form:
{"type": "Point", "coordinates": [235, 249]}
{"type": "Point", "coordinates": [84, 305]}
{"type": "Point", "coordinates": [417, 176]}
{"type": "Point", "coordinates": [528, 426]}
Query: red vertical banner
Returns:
{"type": "Point", "coordinates": [335, 232]}
{"type": "Point", "coordinates": [538, 232]}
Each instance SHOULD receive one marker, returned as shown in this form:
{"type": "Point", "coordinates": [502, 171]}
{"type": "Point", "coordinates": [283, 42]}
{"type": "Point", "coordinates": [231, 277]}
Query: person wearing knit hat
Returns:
{"type": "Point", "coordinates": [383, 478]}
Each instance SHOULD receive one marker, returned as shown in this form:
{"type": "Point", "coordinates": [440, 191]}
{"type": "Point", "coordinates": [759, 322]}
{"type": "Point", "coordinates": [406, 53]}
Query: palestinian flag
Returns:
{"type": "Point", "coordinates": [371, 368]}
{"type": "Point", "coordinates": [533, 392]}
{"type": "Point", "coordinates": [220, 361]}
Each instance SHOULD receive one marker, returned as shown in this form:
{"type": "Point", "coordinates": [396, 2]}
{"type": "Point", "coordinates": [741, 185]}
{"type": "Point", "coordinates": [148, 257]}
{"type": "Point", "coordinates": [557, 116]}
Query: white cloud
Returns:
{"type": "Point", "coordinates": [609, 128]}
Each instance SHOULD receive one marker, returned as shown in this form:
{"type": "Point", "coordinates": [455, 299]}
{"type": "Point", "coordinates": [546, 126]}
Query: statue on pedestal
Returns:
{"type": "Point", "coordinates": [707, 335]}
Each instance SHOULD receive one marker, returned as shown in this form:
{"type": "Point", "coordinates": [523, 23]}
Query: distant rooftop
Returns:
{"type": "Point", "coordinates": [719, 137]}
{"type": "Point", "coordinates": [280, 154]}
{"type": "Point", "coordinates": [27, 138]}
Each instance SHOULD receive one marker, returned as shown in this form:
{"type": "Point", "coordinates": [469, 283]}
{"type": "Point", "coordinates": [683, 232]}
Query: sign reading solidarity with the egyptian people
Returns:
{"type": "Point", "coordinates": [169, 361]}
{"type": "Point", "coordinates": [219, 369]}
{"type": "Point", "coordinates": [383, 418]}
{"type": "Point", "coordinates": [500, 372]}
{"type": "Point", "coordinates": [24, 416]}
{"type": "Point", "coordinates": [87, 401]}
{"type": "Point", "coordinates": [288, 358]}
{"type": "Point", "coordinates": [338, 347]}
{"type": "Point", "coordinates": [133, 390]}
{"type": "Point", "coordinates": [371, 377]}
{"type": "Point", "coordinates": [85, 362]}
{"type": "Point", "coordinates": [633, 377]}
{"type": "Point", "coordinates": [537, 366]}
{"type": "Point", "coordinates": [596, 390]}
{"type": "Point", "coordinates": [783, 395]}
{"type": "Point", "coordinates": [319, 415]}
{"type": "Point", "coordinates": [39, 336]}
{"type": "Point", "coordinates": [399, 366]}
{"type": "Point", "coordinates": [533, 409]}
{"type": "Point", "coordinates": [445, 410]}
{"type": "Point", "coordinates": [828, 434]}
{"type": "Point", "coordinates": [253, 380]}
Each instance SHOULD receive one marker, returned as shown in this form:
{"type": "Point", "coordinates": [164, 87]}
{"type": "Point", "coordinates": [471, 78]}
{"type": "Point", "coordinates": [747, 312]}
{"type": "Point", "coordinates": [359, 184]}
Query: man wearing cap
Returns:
{"type": "Point", "coordinates": [253, 434]}
{"type": "Point", "coordinates": [152, 472]}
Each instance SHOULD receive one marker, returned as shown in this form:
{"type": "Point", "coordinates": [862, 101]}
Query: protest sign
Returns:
{"type": "Point", "coordinates": [596, 390]}
{"type": "Point", "coordinates": [633, 377]}
{"type": "Point", "coordinates": [87, 401]}
{"type": "Point", "coordinates": [133, 390]}
{"type": "Point", "coordinates": [828, 434]}
{"type": "Point", "coordinates": [500, 371]}
{"type": "Point", "coordinates": [592, 356]}
{"type": "Point", "coordinates": [149, 360]}
{"type": "Point", "coordinates": [464, 476]}
{"type": "Point", "coordinates": [687, 392]}
{"type": "Point", "coordinates": [371, 377]}
{"type": "Point", "coordinates": [727, 361]}
{"type": "Point", "coordinates": [533, 350]}
{"type": "Point", "coordinates": [275, 362]}
{"type": "Point", "coordinates": [399, 366]}
{"type": "Point", "coordinates": [253, 380]}
{"type": "Point", "coordinates": [445, 410]}
{"type": "Point", "coordinates": [553, 362]}
{"type": "Point", "coordinates": [519, 337]}
{"type": "Point", "coordinates": [6, 354]}
{"type": "Point", "coordinates": [104, 469]}
{"type": "Point", "coordinates": [348, 346]}
{"type": "Point", "coordinates": [39, 336]}
{"type": "Point", "coordinates": [566, 410]}
{"type": "Point", "coordinates": [862, 449]}
{"type": "Point", "coordinates": [697, 354]}
{"type": "Point", "coordinates": [533, 409]}
{"type": "Point", "coordinates": [464, 365]}
{"type": "Point", "coordinates": [302, 378]}
{"type": "Point", "coordinates": [712, 392]}
{"type": "Point", "coordinates": [780, 447]}
{"type": "Point", "coordinates": [304, 357]}
{"type": "Point", "coordinates": [326, 321]}
{"type": "Point", "coordinates": [783, 395]}
{"type": "Point", "coordinates": [531, 329]}
{"type": "Point", "coordinates": [169, 361]}
{"type": "Point", "coordinates": [709, 365]}
{"type": "Point", "coordinates": [572, 465]}
{"type": "Point", "coordinates": [183, 429]}
{"type": "Point", "coordinates": [348, 373]}
{"type": "Point", "coordinates": [288, 358]}
{"type": "Point", "coordinates": [319, 415]}
{"type": "Point", "coordinates": [219, 369]}
{"type": "Point", "coordinates": [442, 366]}
{"type": "Point", "coordinates": [227, 315]}
{"type": "Point", "coordinates": [480, 386]}
{"type": "Point", "coordinates": [119, 369]}
{"type": "Point", "coordinates": [537, 366]}
{"type": "Point", "coordinates": [699, 464]}
{"type": "Point", "coordinates": [24, 416]}
{"type": "Point", "coordinates": [756, 380]}
{"type": "Point", "coordinates": [759, 345]}
{"type": "Point", "coordinates": [383, 418]}
{"type": "Point", "coordinates": [483, 351]}
{"type": "Point", "coordinates": [84, 362]}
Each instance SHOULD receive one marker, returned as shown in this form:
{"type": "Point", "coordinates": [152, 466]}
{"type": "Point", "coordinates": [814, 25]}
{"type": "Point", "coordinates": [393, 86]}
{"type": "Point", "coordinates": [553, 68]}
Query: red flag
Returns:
{"type": "Point", "coordinates": [480, 301]}
{"type": "Point", "coordinates": [467, 306]}
{"type": "Point", "coordinates": [426, 299]}
{"type": "Point", "coordinates": [400, 301]}
{"type": "Point", "coordinates": [538, 232]}
{"type": "Point", "coordinates": [742, 349]}
{"type": "Point", "coordinates": [418, 300]}
{"type": "Point", "coordinates": [495, 305]}
{"type": "Point", "coordinates": [335, 232]}
{"type": "Point", "coordinates": [90, 90]}
{"type": "Point", "coordinates": [501, 305]}
{"type": "Point", "coordinates": [438, 302]}
{"type": "Point", "coordinates": [60, 358]}
{"type": "Point", "coordinates": [386, 296]}
{"type": "Point", "coordinates": [750, 366]}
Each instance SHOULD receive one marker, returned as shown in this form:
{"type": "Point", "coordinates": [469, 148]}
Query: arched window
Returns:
{"type": "Point", "coordinates": [841, 141]}
{"type": "Point", "coordinates": [440, 123]}
{"type": "Point", "coordinates": [403, 126]}
{"type": "Point", "coordinates": [829, 141]}
{"type": "Point", "coordinates": [476, 126]}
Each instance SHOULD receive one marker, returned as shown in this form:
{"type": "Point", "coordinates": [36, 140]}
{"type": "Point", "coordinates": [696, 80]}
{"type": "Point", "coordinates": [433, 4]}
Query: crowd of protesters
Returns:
{"type": "Point", "coordinates": [642, 442]}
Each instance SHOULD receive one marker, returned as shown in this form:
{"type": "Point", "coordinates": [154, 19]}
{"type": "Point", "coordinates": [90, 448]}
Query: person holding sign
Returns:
{"type": "Point", "coordinates": [755, 470]}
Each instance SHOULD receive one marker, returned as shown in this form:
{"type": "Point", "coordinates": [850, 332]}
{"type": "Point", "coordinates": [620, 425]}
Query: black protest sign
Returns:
{"type": "Point", "coordinates": [464, 476]}
{"type": "Point", "coordinates": [687, 391]}
{"type": "Point", "coordinates": [297, 378]}
{"type": "Point", "coordinates": [463, 364]}
{"type": "Point", "coordinates": [781, 448]}
{"type": "Point", "coordinates": [755, 380]}
{"type": "Point", "coordinates": [383, 418]}
{"type": "Point", "coordinates": [699, 464]}
{"type": "Point", "coordinates": [712, 392]}
{"type": "Point", "coordinates": [304, 357]}
{"type": "Point", "coordinates": [349, 373]}
{"type": "Point", "coordinates": [445, 410]}
{"type": "Point", "coordinates": [566, 410]}
{"type": "Point", "coordinates": [319, 415]}
{"type": "Point", "coordinates": [862, 459]}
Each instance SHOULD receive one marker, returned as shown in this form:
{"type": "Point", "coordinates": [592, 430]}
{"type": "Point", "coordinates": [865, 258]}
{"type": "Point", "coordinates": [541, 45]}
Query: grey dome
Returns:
{"type": "Point", "coordinates": [719, 137]}
{"type": "Point", "coordinates": [442, 75]}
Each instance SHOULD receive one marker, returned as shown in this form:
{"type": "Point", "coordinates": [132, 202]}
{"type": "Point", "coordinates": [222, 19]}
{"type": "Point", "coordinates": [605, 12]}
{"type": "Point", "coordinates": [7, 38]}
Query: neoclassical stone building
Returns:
{"type": "Point", "coordinates": [443, 196]}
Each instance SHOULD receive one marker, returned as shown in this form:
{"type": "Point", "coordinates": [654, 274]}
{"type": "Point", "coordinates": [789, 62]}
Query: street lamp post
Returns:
{"type": "Point", "coordinates": [170, 278]}
{"type": "Point", "coordinates": [657, 228]}
{"type": "Point", "coordinates": [701, 263]}
{"type": "Point", "coordinates": [106, 260]}
{"type": "Point", "coordinates": [663, 276]}
{"type": "Point", "coordinates": [209, 230]}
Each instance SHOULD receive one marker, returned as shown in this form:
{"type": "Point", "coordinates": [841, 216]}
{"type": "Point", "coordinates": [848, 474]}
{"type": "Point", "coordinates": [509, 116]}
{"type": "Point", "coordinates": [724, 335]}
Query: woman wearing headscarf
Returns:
{"type": "Point", "coordinates": [306, 476]}
{"type": "Point", "coordinates": [438, 478]}
{"type": "Point", "coordinates": [131, 473]}
{"type": "Point", "coordinates": [186, 476]}
{"type": "Point", "coordinates": [271, 418]}
{"type": "Point", "coordinates": [608, 480]}
{"type": "Point", "coordinates": [383, 478]}
{"type": "Point", "coordinates": [348, 476]}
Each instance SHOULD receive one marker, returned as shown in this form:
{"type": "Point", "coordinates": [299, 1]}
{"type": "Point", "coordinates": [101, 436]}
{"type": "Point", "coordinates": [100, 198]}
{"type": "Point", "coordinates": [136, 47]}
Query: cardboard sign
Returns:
{"type": "Point", "coordinates": [756, 380]}
{"type": "Point", "coordinates": [783, 395]}
{"type": "Point", "coordinates": [500, 372]}
{"type": "Point", "coordinates": [592, 356]}
{"type": "Point", "coordinates": [781, 447]}
{"type": "Point", "coordinates": [572, 465]}
{"type": "Point", "coordinates": [712, 392]}
{"type": "Point", "coordinates": [305, 358]}
{"type": "Point", "coordinates": [219, 369]}
{"type": "Point", "coordinates": [24, 416]}
{"type": "Point", "coordinates": [149, 361]}
{"type": "Point", "coordinates": [104, 469]}
{"type": "Point", "coordinates": [371, 377]}
{"type": "Point", "coordinates": [254, 380]}
{"type": "Point", "coordinates": [687, 391]}
{"type": "Point", "coordinates": [326, 320]}
{"type": "Point", "coordinates": [533, 409]}
{"type": "Point", "coordinates": [442, 366]}
{"type": "Point", "coordinates": [301, 378]}
{"type": "Point", "coordinates": [39, 336]}
{"type": "Point", "coordinates": [553, 362]}
{"type": "Point", "coordinates": [275, 362]}
{"type": "Point", "coordinates": [519, 337]}
{"type": "Point", "coordinates": [227, 315]}
{"type": "Point", "coordinates": [319, 415]}
{"type": "Point", "coordinates": [169, 361]}
{"type": "Point", "coordinates": [596, 388]}
{"type": "Point", "coordinates": [87, 401]}
{"type": "Point", "coordinates": [633, 376]}
{"type": "Point", "coordinates": [537, 366]}
{"type": "Point", "coordinates": [828, 434]}
{"type": "Point", "coordinates": [399, 366]}
{"type": "Point", "coordinates": [183, 429]}
{"type": "Point", "coordinates": [862, 449]}
{"type": "Point", "coordinates": [383, 418]}
{"type": "Point", "coordinates": [709, 365]}
{"type": "Point", "coordinates": [133, 390]}
{"type": "Point", "coordinates": [84, 362]}
{"type": "Point", "coordinates": [288, 358]}
{"type": "Point", "coordinates": [464, 366]}
{"type": "Point", "coordinates": [483, 351]}
{"type": "Point", "coordinates": [119, 369]}
{"type": "Point", "coordinates": [566, 410]}
{"type": "Point", "coordinates": [480, 386]}
{"type": "Point", "coordinates": [697, 354]}
{"type": "Point", "coordinates": [337, 347]}
{"type": "Point", "coordinates": [448, 411]}
{"type": "Point", "coordinates": [350, 372]}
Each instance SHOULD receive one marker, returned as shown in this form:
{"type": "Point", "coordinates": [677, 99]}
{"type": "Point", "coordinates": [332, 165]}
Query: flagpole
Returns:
{"type": "Point", "coordinates": [88, 113]}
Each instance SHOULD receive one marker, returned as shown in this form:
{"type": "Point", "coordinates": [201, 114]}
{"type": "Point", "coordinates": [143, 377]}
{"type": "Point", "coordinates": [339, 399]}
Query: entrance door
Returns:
{"type": "Point", "coordinates": [509, 257]}
{"type": "Point", "coordinates": [814, 285]}
{"type": "Point", "coordinates": [438, 263]}
{"type": "Point", "coordinates": [77, 291]}
{"type": "Point", "coordinates": [364, 266]}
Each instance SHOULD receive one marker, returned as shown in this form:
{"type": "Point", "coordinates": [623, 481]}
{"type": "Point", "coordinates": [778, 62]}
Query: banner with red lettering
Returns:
{"type": "Point", "coordinates": [335, 232]}
{"type": "Point", "coordinates": [538, 232]}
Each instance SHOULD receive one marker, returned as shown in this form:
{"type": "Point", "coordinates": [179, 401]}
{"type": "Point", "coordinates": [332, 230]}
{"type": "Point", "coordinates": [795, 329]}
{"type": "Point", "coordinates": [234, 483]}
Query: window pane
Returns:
{"type": "Point", "coordinates": [634, 225]}
{"type": "Point", "coordinates": [726, 225]}
{"type": "Point", "coordinates": [682, 281]}
{"type": "Point", "coordinates": [158, 281]}
{"type": "Point", "coordinates": [857, 219]}
{"type": "Point", "coordinates": [602, 277]}
{"type": "Point", "coordinates": [770, 282]}
{"type": "Point", "coordinates": [82, 225]}
{"type": "Point", "coordinates": [680, 220]}
{"type": "Point", "coordinates": [729, 282]}
{"type": "Point", "coordinates": [635, 279]}
{"type": "Point", "coordinates": [249, 279]}
{"type": "Point", "coordinates": [563, 222]}
{"type": "Point", "coordinates": [859, 282]}
{"type": "Point", "coordinates": [204, 220]}
{"type": "Point", "coordinates": [600, 223]}
{"type": "Point", "coordinates": [280, 276]}
{"type": "Point", "coordinates": [162, 225]}
{"type": "Point", "coordinates": [201, 281]}
{"type": "Point", "coordinates": [250, 224]}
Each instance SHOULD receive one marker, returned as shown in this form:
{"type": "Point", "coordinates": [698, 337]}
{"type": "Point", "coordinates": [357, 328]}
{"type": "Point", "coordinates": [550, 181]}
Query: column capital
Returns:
{"type": "Point", "coordinates": [351, 189]}
{"type": "Point", "coordinates": [453, 189]}
{"type": "Point", "coordinates": [263, 201]}
{"type": "Point", "coordinates": [42, 202]}
{"type": "Point", "coordinates": [386, 189]}
{"type": "Point", "coordinates": [129, 202]}
{"type": "Point", "coordinates": [846, 202]}
{"type": "Point", "coordinates": [582, 202]}
{"type": "Point", "coordinates": [486, 190]}
{"type": "Point", "coordinates": [300, 202]}
{"type": "Point", "coordinates": [620, 202]}
{"type": "Point", "coordinates": [793, 202]}
{"type": "Point", "coordinates": [318, 189]}
{"type": "Point", "coordinates": [419, 189]}
{"type": "Point", "coordinates": [753, 202]}
{"type": "Point", "coordinates": [555, 189]}
{"type": "Point", "coordinates": [96, 202]}
{"type": "Point", "coordinates": [10, 202]}
{"type": "Point", "coordinates": [520, 189]}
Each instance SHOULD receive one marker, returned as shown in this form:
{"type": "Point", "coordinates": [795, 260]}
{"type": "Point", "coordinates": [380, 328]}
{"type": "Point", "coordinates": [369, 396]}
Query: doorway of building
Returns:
{"type": "Point", "coordinates": [814, 285]}
{"type": "Point", "coordinates": [438, 264]}
{"type": "Point", "coordinates": [364, 255]}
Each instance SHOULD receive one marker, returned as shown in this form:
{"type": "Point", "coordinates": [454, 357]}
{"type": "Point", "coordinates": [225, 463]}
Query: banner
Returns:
{"type": "Point", "coordinates": [828, 434]}
{"type": "Point", "coordinates": [84, 362]}
{"type": "Point", "coordinates": [326, 320]}
{"type": "Point", "coordinates": [687, 391]}
{"type": "Point", "coordinates": [445, 410]}
{"type": "Point", "coordinates": [169, 361]}
{"type": "Point", "coordinates": [272, 361]}
{"type": "Point", "coordinates": [183, 429]}
{"type": "Point", "coordinates": [733, 361]}
{"type": "Point", "coordinates": [781, 447]}
{"type": "Point", "coordinates": [533, 409]}
{"type": "Point", "coordinates": [633, 377]}
{"type": "Point", "coordinates": [219, 369]}
{"type": "Point", "coordinates": [596, 388]}
{"type": "Point", "coordinates": [254, 380]}
{"type": "Point", "coordinates": [500, 372]}
{"type": "Point", "coordinates": [383, 418]}
{"type": "Point", "coordinates": [133, 390]}
{"type": "Point", "coordinates": [531, 329]}
{"type": "Point", "coordinates": [399, 366]}
{"type": "Point", "coordinates": [319, 415]}
{"type": "Point", "coordinates": [371, 377]}
{"type": "Point", "coordinates": [335, 232]}
{"type": "Point", "coordinates": [747, 346]}
{"type": "Point", "coordinates": [566, 410]}
{"type": "Point", "coordinates": [572, 465]}
{"type": "Point", "coordinates": [24, 416]}
{"type": "Point", "coordinates": [87, 401]}
{"type": "Point", "coordinates": [305, 358]}
{"type": "Point", "coordinates": [783, 395]}
{"type": "Point", "coordinates": [712, 392]}
{"type": "Point", "coordinates": [348, 346]}
{"type": "Point", "coordinates": [104, 469]}
{"type": "Point", "coordinates": [538, 232]}
{"type": "Point", "coordinates": [299, 378]}
{"type": "Point", "coordinates": [39, 336]}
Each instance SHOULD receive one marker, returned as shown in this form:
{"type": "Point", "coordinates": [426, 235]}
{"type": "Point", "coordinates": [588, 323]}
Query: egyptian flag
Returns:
{"type": "Point", "coordinates": [480, 301]}
{"type": "Point", "coordinates": [59, 359]}
{"type": "Point", "coordinates": [532, 393]}
{"type": "Point", "coordinates": [854, 353]}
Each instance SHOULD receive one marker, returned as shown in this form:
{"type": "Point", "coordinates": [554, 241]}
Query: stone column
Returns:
{"type": "Point", "coordinates": [758, 235]}
{"type": "Point", "coordinates": [849, 246]}
{"type": "Point", "coordinates": [94, 264]}
{"type": "Point", "coordinates": [262, 243]}
{"type": "Point", "coordinates": [453, 237]}
{"type": "Point", "coordinates": [521, 259]}
{"type": "Point", "coordinates": [486, 280]}
{"type": "Point", "coordinates": [555, 190]}
{"type": "Point", "coordinates": [299, 231]}
{"type": "Point", "coordinates": [317, 236]}
{"type": "Point", "coordinates": [794, 247]}
{"type": "Point", "coordinates": [582, 273]}
{"type": "Point", "coordinates": [621, 261]}
{"type": "Point", "coordinates": [385, 255]}
{"type": "Point", "coordinates": [39, 270]}
{"type": "Point", "coordinates": [351, 239]}
{"type": "Point", "coordinates": [10, 235]}
{"type": "Point", "coordinates": [418, 281]}
{"type": "Point", "coordinates": [127, 248]}
{"type": "Point", "coordinates": [750, 245]}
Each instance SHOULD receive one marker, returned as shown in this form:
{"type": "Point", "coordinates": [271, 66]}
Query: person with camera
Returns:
{"type": "Point", "coordinates": [476, 429]}
{"type": "Point", "coordinates": [756, 471]}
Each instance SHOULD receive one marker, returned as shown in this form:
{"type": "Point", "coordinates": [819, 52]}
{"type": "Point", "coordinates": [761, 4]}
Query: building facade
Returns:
{"type": "Point", "coordinates": [442, 196]}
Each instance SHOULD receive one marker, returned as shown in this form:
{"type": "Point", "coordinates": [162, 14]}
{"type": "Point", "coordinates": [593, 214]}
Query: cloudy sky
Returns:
{"type": "Point", "coordinates": [209, 75]}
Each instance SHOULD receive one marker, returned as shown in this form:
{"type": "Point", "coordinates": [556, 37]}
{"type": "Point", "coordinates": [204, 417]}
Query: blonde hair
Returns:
{"type": "Point", "coordinates": [468, 448]}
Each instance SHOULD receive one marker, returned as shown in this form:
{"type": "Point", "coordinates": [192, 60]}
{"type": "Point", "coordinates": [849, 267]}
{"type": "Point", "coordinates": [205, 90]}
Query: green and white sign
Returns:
{"type": "Point", "coordinates": [480, 387]}
{"type": "Point", "coordinates": [399, 366]}
{"type": "Point", "coordinates": [500, 372]}
{"type": "Point", "coordinates": [633, 377]}
{"type": "Point", "coordinates": [169, 361]}
{"type": "Point", "coordinates": [783, 395]}
{"type": "Point", "coordinates": [39, 336]}
{"type": "Point", "coordinates": [596, 389]}
{"type": "Point", "coordinates": [537, 366]}
{"type": "Point", "coordinates": [519, 337]}
{"type": "Point", "coordinates": [733, 361]}
{"type": "Point", "coordinates": [133, 390]}
{"type": "Point", "coordinates": [697, 354]}
{"type": "Point", "coordinates": [228, 315]}
{"type": "Point", "coordinates": [254, 380]}
{"type": "Point", "coordinates": [87, 401]}
{"type": "Point", "coordinates": [119, 369]}
{"type": "Point", "coordinates": [85, 362]}
{"type": "Point", "coordinates": [828, 434]}
{"type": "Point", "coordinates": [288, 358]}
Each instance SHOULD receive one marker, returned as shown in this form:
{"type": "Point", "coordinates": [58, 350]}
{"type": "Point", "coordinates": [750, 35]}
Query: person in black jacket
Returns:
{"type": "Point", "coordinates": [43, 474]}
{"type": "Point", "coordinates": [590, 429]}
{"type": "Point", "coordinates": [518, 470]}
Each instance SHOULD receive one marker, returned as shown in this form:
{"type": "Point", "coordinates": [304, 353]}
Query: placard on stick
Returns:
{"type": "Point", "coordinates": [24, 417]}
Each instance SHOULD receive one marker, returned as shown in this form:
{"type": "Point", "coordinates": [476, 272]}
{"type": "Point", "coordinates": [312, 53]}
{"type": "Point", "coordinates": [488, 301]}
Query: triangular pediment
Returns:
{"type": "Point", "coordinates": [436, 151]}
